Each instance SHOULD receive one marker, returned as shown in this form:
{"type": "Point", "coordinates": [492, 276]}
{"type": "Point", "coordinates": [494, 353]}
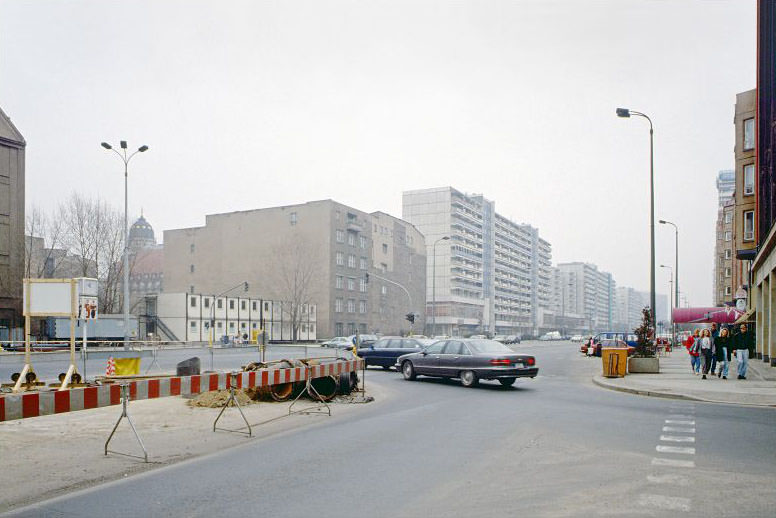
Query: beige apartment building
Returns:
{"type": "Point", "coordinates": [318, 252]}
{"type": "Point", "coordinates": [745, 246]}
{"type": "Point", "coordinates": [12, 146]}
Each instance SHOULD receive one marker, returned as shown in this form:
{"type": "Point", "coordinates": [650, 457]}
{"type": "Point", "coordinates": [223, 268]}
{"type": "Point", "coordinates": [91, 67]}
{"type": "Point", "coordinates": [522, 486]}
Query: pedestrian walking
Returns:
{"type": "Point", "coordinates": [722, 353]}
{"type": "Point", "coordinates": [743, 344]}
{"type": "Point", "coordinates": [693, 343]}
{"type": "Point", "coordinates": [714, 336]}
{"type": "Point", "coordinates": [706, 350]}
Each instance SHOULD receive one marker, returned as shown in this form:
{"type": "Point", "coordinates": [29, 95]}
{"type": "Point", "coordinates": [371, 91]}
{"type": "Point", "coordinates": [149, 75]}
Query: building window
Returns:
{"type": "Point", "coordinates": [292, 218]}
{"type": "Point", "coordinates": [362, 285]}
{"type": "Point", "coordinates": [728, 217]}
{"type": "Point", "coordinates": [362, 263]}
{"type": "Point", "coordinates": [362, 241]}
{"type": "Point", "coordinates": [338, 306]}
{"type": "Point", "coordinates": [728, 254]}
{"type": "Point", "coordinates": [253, 306]}
{"type": "Point", "coordinates": [220, 303]}
{"type": "Point", "coordinates": [191, 289]}
{"type": "Point", "coordinates": [384, 290]}
{"type": "Point", "coordinates": [193, 324]}
{"type": "Point", "coordinates": [340, 259]}
{"type": "Point", "coordinates": [340, 236]}
{"type": "Point", "coordinates": [728, 235]}
{"type": "Point", "coordinates": [191, 268]}
{"type": "Point", "coordinates": [351, 239]}
{"type": "Point", "coordinates": [749, 225]}
{"type": "Point", "coordinates": [362, 306]}
{"type": "Point", "coordinates": [748, 134]}
{"type": "Point", "coordinates": [242, 305]}
{"type": "Point", "coordinates": [728, 290]}
{"type": "Point", "coordinates": [384, 267]}
{"type": "Point", "coordinates": [219, 325]}
{"type": "Point", "coordinates": [266, 306]}
{"type": "Point", "coordinates": [385, 248]}
{"type": "Point", "coordinates": [351, 261]}
{"type": "Point", "coordinates": [206, 302]}
{"type": "Point", "coordinates": [231, 304]}
{"type": "Point", "coordinates": [748, 179]}
{"type": "Point", "coordinates": [351, 284]}
{"type": "Point", "coordinates": [193, 302]}
{"type": "Point", "coordinates": [339, 329]}
{"type": "Point", "coordinates": [338, 282]}
{"type": "Point", "coordinates": [351, 306]}
{"type": "Point", "coordinates": [191, 248]}
{"type": "Point", "coordinates": [727, 272]}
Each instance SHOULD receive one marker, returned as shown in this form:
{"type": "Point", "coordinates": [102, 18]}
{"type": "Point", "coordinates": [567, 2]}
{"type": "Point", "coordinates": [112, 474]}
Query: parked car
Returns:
{"type": "Point", "coordinates": [576, 338]}
{"type": "Point", "coordinates": [607, 343]}
{"type": "Point", "coordinates": [513, 339]}
{"type": "Point", "coordinates": [552, 335]}
{"type": "Point", "coordinates": [470, 360]}
{"type": "Point", "coordinates": [385, 351]}
{"type": "Point", "coordinates": [339, 342]}
{"type": "Point", "coordinates": [501, 338]}
{"type": "Point", "coordinates": [365, 339]}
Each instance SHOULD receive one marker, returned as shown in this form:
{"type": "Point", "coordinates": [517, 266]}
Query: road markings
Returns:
{"type": "Point", "coordinates": [680, 421]}
{"type": "Point", "coordinates": [675, 449]}
{"type": "Point", "coordinates": [678, 429]}
{"type": "Point", "coordinates": [658, 461]}
{"type": "Point", "coordinates": [673, 503]}
{"type": "Point", "coordinates": [681, 416]}
{"type": "Point", "coordinates": [674, 480]}
{"type": "Point", "coordinates": [677, 438]}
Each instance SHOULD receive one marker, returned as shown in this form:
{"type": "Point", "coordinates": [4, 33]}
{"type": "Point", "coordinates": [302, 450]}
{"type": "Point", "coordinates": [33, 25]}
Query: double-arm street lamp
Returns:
{"type": "Point", "coordinates": [433, 287]}
{"type": "Point", "coordinates": [671, 296]}
{"type": "Point", "coordinates": [125, 158]}
{"type": "Point", "coordinates": [625, 112]}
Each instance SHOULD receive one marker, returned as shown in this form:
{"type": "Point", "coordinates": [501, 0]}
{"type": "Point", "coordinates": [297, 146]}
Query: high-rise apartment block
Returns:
{"type": "Point", "coordinates": [485, 273]}
{"type": "Point", "coordinates": [318, 253]}
{"type": "Point", "coordinates": [594, 294]}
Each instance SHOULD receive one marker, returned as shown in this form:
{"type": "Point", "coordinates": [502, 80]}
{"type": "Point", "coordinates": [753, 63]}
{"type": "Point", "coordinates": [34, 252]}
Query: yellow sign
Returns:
{"type": "Point", "coordinates": [127, 366]}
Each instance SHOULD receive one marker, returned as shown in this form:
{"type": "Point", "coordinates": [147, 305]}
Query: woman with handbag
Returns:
{"type": "Point", "coordinates": [692, 349]}
{"type": "Point", "coordinates": [723, 350]}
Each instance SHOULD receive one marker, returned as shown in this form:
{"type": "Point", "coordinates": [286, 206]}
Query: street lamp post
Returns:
{"type": "Point", "coordinates": [676, 260]}
{"type": "Point", "coordinates": [124, 158]}
{"type": "Point", "coordinates": [212, 334]}
{"type": "Point", "coordinates": [671, 296]}
{"type": "Point", "coordinates": [433, 287]}
{"type": "Point", "coordinates": [625, 112]}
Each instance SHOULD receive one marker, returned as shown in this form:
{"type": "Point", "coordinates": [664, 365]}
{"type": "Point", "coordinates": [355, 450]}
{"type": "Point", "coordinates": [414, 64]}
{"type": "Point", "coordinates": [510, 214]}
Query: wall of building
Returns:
{"type": "Point", "coordinates": [12, 147]}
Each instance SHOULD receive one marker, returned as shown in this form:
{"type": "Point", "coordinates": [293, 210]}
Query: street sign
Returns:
{"type": "Point", "coordinates": [87, 308]}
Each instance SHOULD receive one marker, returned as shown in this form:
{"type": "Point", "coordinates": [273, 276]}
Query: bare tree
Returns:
{"type": "Point", "coordinates": [42, 237]}
{"type": "Point", "coordinates": [80, 220]}
{"type": "Point", "coordinates": [295, 267]}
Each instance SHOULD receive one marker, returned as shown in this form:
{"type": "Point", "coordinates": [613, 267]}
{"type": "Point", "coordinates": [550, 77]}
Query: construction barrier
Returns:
{"type": "Point", "coordinates": [34, 404]}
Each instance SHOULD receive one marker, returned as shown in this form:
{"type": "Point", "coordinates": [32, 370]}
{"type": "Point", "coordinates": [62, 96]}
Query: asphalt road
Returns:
{"type": "Point", "coordinates": [553, 446]}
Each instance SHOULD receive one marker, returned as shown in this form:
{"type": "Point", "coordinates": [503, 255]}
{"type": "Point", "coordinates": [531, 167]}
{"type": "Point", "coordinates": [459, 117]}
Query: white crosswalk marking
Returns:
{"type": "Point", "coordinates": [669, 478]}
{"type": "Point", "coordinates": [677, 438]}
{"type": "Point", "coordinates": [681, 416]}
{"type": "Point", "coordinates": [678, 429]}
{"type": "Point", "coordinates": [658, 461]}
{"type": "Point", "coordinates": [675, 449]}
{"type": "Point", "coordinates": [680, 421]}
{"type": "Point", "coordinates": [673, 503]}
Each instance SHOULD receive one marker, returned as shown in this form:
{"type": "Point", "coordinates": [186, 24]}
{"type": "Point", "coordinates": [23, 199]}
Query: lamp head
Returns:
{"type": "Point", "coordinates": [623, 112]}
{"type": "Point", "coordinates": [445, 238]}
{"type": "Point", "coordinates": [143, 149]}
{"type": "Point", "coordinates": [662, 221]}
{"type": "Point", "coordinates": [106, 145]}
{"type": "Point", "coordinates": [123, 144]}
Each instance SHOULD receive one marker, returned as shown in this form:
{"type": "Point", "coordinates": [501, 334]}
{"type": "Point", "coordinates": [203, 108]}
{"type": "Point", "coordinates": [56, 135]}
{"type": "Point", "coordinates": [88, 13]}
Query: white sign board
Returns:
{"type": "Point", "coordinates": [47, 297]}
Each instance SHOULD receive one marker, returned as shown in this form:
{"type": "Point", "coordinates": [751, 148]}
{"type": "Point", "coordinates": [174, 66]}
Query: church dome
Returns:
{"type": "Point", "coordinates": [141, 234]}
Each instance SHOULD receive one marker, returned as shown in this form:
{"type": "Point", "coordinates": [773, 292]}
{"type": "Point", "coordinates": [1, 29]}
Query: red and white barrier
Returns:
{"type": "Point", "coordinates": [34, 404]}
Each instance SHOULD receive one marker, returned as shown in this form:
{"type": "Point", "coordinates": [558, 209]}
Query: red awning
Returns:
{"type": "Point", "coordinates": [724, 315]}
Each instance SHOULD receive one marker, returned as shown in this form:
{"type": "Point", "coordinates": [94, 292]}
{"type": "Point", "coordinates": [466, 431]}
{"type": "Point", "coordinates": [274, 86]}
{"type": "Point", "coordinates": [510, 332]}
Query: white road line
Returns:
{"type": "Point", "coordinates": [673, 503]}
{"type": "Point", "coordinates": [675, 449]}
{"type": "Point", "coordinates": [680, 421]}
{"type": "Point", "coordinates": [657, 461]}
{"type": "Point", "coordinates": [677, 438]}
{"type": "Point", "coordinates": [681, 416]}
{"type": "Point", "coordinates": [674, 480]}
{"type": "Point", "coordinates": [678, 429]}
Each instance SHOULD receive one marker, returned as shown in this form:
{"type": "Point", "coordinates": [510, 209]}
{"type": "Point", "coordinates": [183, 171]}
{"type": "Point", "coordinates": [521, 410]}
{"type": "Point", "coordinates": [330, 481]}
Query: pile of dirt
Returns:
{"type": "Point", "coordinates": [217, 398]}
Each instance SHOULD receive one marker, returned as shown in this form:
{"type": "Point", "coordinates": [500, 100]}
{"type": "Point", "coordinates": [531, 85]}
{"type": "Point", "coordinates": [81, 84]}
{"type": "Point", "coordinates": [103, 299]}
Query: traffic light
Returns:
{"type": "Point", "coordinates": [411, 318]}
{"type": "Point", "coordinates": [245, 287]}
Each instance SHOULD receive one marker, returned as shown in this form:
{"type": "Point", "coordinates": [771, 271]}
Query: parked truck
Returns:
{"type": "Point", "coordinates": [105, 328]}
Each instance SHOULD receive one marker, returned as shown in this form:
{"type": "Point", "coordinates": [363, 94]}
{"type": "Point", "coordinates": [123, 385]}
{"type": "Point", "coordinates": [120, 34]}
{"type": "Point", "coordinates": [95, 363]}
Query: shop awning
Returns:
{"type": "Point", "coordinates": [720, 315]}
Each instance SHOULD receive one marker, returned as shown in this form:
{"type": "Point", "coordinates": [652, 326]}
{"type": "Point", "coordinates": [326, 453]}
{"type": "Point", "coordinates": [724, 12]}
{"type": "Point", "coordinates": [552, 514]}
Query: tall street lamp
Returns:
{"type": "Point", "coordinates": [625, 112]}
{"type": "Point", "coordinates": [671, 296]}
{"type": "Point", "coordinates": [124, 158]}
{"type": "Point", "coordinates": [433, 287]}
{"type": "Point", "coordinates": [676, 265]}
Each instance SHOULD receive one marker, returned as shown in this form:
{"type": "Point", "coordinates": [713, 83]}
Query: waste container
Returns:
{"type": "Point", "coordinates": [615, 361]}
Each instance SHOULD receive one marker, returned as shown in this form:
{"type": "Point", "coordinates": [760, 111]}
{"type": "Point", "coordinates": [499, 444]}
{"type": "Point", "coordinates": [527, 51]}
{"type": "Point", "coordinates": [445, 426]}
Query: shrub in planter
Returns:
{"type": "Point", "coordinates": [645, 345]}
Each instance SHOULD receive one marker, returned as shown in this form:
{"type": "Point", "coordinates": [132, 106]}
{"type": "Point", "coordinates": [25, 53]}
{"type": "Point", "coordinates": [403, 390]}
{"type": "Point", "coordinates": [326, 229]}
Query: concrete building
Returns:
{"type": "Point", "coordinates": [594, 294]}
{"type": "Point", "coordinates": [762, 296]}
{"type": "Point", "coordinates": [564, 303]}
{"type": "Point", "coordinates": [311, 253]}
{"type": "Point", "coordinates": [44, 262]}
{"type": "Point", "coordinates": [745, 245]}
{"type": "Point", "coordinates": [724, 254]}
{"type": "Point", "coordinates": [726, 185]}
{"type": "Point", "coordinates": [630, 304]}
{"type": "Point", "coordinates": [12, 146]}
{"type": "Point", "coordinates": [146, 264]}
{"type": "Point", "coordinates": [492, 276]}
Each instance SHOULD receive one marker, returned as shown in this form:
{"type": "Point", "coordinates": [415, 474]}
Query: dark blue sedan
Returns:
{"type": "Point", "coordinates": [385, 351]}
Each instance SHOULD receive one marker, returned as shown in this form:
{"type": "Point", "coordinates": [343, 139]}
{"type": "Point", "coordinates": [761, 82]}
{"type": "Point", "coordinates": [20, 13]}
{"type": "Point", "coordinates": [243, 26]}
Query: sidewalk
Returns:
{"type": "Point", "coordinates": [677, 381]}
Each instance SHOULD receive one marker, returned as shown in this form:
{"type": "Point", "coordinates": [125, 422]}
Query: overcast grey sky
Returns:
{"type": "Point", "coordinates": [253, 104]}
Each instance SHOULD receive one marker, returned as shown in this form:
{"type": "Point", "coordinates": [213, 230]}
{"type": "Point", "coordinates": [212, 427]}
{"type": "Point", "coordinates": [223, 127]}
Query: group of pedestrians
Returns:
{"type": "Point", "coordinates": [711, 350]}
